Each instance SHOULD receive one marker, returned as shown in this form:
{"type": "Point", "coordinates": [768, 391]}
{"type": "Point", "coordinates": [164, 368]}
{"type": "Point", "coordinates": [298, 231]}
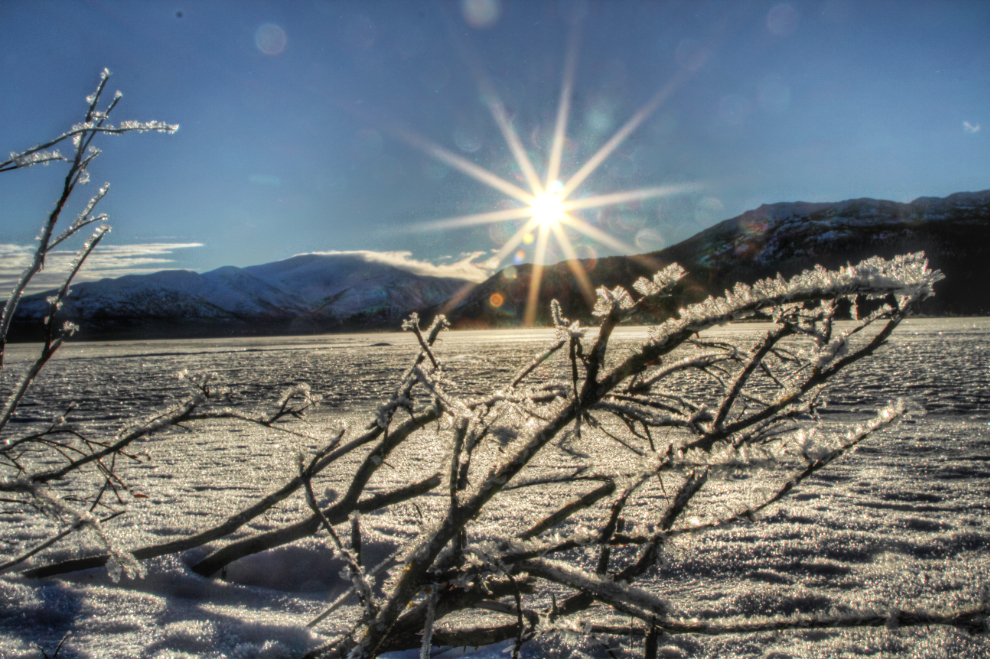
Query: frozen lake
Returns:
{"type": "Point", "coordinates": [903, 522]}
{"type": "Point", "coordinates": [941, 364]}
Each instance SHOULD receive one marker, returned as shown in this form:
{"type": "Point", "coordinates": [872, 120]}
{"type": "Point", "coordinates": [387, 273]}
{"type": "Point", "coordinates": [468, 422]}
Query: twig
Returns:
{"type": "Point", "coordinates": [51, 541]}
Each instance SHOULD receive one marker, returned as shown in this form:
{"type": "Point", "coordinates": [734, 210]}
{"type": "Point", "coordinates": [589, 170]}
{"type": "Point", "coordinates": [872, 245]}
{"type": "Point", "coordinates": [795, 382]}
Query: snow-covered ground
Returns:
{"type": "Point", "coordinates": [904, 522]}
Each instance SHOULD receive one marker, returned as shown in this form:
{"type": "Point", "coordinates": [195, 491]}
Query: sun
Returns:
{"type": "Point", "coordinates": [548, 205]}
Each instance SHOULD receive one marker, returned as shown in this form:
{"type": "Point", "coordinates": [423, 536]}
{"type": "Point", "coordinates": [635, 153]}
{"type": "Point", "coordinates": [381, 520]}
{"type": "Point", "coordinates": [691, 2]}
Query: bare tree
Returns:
{"type": "Point", "coordinates": [674, 416]}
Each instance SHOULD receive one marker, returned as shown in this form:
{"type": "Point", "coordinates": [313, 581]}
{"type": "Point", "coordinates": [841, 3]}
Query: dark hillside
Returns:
{"type": "Point", "coordinates": [784, 238]}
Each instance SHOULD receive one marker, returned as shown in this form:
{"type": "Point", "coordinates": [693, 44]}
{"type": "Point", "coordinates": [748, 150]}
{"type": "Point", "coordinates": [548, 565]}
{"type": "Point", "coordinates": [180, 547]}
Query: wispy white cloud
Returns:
{"type": "Point", "coordinates": [146, 258]}
{"type": "Point", "coordinates": [970, 127]}
{"type": "Point", "coordinates": [105, 261]}
{"type": "Point", "coordinates": [471, 266]}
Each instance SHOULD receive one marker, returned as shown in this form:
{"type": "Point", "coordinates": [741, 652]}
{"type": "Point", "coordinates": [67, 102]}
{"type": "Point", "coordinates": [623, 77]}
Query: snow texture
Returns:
{"type": "Point", "coordinates": [904, 520]}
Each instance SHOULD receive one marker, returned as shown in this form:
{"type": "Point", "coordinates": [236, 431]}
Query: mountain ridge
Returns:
{"type": "Point", "coordinates": [304, 294]}
{"type": "Point", "coordinates": [785, 238]}
{"type": "Point", "coordinates": [313, 293]}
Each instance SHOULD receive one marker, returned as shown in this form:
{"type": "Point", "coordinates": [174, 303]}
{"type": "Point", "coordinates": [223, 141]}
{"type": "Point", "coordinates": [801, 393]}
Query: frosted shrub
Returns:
{"type": "Point", "coordinates": [582, 564]}
{"type": "Point", "coordinates": [682, 412]}
{"type": "Point", "coordinates": [36, 465]}
{"type": "Point", "coordinates": [483, 551]}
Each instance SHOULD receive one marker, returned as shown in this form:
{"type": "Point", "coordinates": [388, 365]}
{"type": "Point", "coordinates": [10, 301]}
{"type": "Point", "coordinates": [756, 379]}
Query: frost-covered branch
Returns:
{"type": "Point", "coordinates": [32, 463]}
{"type": "Point", "coordinates": [751, 402]}
{"type": "Point", "coordinates": [81, 136]}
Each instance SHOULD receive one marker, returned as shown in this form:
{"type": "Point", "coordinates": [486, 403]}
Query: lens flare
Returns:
{"type": "Point", "coordinates": [270, 39]}
{"type": "Point", "coordinates": [481, 13]}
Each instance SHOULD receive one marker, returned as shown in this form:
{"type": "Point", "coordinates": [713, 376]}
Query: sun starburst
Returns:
{"type": "Point", "coordinates": [547, 208]}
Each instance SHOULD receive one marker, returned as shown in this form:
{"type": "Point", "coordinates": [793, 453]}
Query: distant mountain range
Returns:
{"type": "Point", "coordinates": [954, 232]}
{"type": "Point", "coordinates": [302, 295]}
{"type": "Point", "coordinates": [323, 293]}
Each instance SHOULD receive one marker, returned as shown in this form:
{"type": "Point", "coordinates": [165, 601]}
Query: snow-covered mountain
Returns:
{"type": "Point", "coordinates": [303, 294]}
{"type": "Point", "coordinates": [954, 232]}
{"type": "Point", "coordinates": [316, 293]}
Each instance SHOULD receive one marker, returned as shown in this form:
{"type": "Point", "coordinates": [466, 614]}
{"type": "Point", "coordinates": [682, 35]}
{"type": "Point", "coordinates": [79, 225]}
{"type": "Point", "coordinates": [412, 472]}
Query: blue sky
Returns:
{"type": "Point", "coordinates": [320, 125]}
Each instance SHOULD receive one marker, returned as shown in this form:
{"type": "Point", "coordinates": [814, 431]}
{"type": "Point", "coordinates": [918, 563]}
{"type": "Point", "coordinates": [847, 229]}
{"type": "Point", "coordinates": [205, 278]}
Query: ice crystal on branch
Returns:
{"type": "Point", "coordinates": [143, 126]}
{"type": "Point", "coordinates": [35, 158]}
{"type": "Point", "coordinates": [662, 282]}
{"type": "Point", "coordinates": [609, 299]}
{"type": "Point", "coordinates": [564, 328]}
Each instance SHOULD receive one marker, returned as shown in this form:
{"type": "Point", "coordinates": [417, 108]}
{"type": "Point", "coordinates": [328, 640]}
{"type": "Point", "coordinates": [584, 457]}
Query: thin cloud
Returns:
{"type": "Point", "coordinates": [105, 261]}
{"type": "Point", "coordinates": [970, 127]}
{"type": "Point", "coordinates": [467, 266]}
